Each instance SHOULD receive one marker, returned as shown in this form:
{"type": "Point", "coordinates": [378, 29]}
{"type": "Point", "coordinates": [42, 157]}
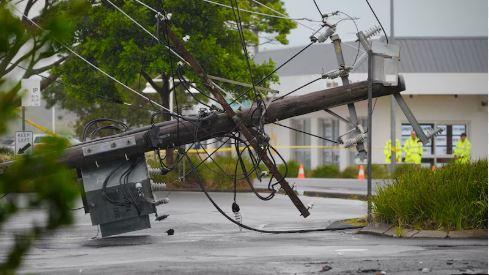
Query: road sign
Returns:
{"type": "Point", "coordinates": [32, 89]}
{"type": "Point", "coordinates": [24, 141]}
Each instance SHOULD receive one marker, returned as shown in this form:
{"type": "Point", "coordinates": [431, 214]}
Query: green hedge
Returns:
{"type": "Point", "coordinates": [452, 197]}
{"type": "Point", "coordinates": [379, 171]}
{"type": "Point", "coordinates": [326, 171]}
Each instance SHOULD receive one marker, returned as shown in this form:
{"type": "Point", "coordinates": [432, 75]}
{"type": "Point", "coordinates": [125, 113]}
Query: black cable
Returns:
{"type": "Point", "coordinates": [237, 18]}
{"type": "Point", "coordinates": [300, 131]}
{"type": "Point", "coordinates": [385, 34]}
{"type": "Point", "coordinates": [252, 228]}
{"type": "Point", "coordinates": [297, 89]}
{"type": "Point", "coordinates": [4, 195]}
{"type": "Point", "coordinates": [317, 7]}
{"type": "Point", "coordinates": [275, 70]}
{"type": "Point", "coordinates": [115, 125]}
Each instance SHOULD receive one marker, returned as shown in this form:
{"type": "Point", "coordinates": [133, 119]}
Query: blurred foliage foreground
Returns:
{"type": "Point", "coordinates": [53, 188]}
{"type": "Point", "coordinates": [453, 197]}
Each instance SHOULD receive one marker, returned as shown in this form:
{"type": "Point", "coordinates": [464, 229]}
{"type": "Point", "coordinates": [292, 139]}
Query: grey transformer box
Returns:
{"type": "Point", "coordinates": [119, 196]}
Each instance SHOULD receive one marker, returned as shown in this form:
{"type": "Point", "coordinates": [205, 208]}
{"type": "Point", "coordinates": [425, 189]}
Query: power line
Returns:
{"type": "Point", "coordinates": [378, 21]}
{"type": "Point", "coordinates": [282, 14]}
{"type": "Point", "coordinates": [317, 7]}
{"type": "Point", "coordinates": [146, 30]}
{"type": "Point", "coordinates": [264, 14]}
{"type": "Point", "coordinates": [306, 133]}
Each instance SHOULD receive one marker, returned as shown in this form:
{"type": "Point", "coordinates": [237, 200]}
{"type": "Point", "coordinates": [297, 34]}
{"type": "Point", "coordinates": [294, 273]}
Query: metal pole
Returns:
{"type": "Point", "coordinates": [393, 104]}
{"type": "Point", "coordinates": [369, 137]}
{"type": "Point", "coordinates": [23, 118]}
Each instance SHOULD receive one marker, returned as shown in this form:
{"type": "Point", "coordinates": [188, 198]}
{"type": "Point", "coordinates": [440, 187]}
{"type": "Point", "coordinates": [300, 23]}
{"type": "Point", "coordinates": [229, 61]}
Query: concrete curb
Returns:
{"type": "Point", "coordinates": [387, 230]}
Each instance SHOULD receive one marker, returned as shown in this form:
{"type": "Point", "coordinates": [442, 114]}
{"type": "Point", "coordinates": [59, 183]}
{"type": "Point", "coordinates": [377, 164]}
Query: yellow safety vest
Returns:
{"type": "Point", "coordinates": [463, 151]}
{"type": "Point", "coordinates": [414, 150]}
{"type": "Point", "coordinates": [388, 151]}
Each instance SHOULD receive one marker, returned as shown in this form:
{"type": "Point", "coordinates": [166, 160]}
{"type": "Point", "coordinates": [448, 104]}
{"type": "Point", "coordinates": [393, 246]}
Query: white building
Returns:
{"type": "Point", "coordinates": [446, 86]}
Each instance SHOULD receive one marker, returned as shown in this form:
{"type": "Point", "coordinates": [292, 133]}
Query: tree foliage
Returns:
{"type": "Point", "coordinates": [52, 186]}
{"type": "Point", "coordinates": [114, 43]}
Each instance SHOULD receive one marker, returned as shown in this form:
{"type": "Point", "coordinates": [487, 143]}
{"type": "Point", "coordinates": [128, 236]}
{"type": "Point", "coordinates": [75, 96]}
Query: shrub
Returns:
{"type": "Point", "coordinates": [292, 169]}
{"type": "Point", "coordinates": [350, 172]}
{"type": "Point", "coordinates": [326, 171]}
{"type": "Point", "coordinates": [453, 197]}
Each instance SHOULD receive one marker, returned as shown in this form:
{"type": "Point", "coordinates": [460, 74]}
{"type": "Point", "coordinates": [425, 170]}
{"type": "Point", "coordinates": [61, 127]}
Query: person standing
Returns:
{"type": "Point", "coordinates": [413, 149]}
{"type": "Point", "coordinates": [388, 151]}
{"type": "Point", "coordinates": [463, 149]}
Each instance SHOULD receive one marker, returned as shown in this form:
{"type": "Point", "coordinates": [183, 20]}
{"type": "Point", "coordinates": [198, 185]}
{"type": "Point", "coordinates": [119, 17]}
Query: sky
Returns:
{"type": "Point", "coordinates": [411, 18]}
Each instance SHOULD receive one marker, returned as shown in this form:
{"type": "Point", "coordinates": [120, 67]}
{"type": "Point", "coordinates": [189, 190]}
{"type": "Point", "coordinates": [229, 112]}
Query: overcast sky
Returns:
{"type": "Point", "coordinates": [412, 17]}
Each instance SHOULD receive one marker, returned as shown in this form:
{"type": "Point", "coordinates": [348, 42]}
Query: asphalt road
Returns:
{"type": "Point", "coordinates": [206, 243]}
{"type": "Point", "coordinates": [339, 186]}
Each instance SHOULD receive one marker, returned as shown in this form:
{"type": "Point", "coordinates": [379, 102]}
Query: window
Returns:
{"type": "Point", "coordinates": [447, 140]}
{"type": "Point", "coordinates": [301, 153]}
{"type": "Point", "coordinates": [329, 128]}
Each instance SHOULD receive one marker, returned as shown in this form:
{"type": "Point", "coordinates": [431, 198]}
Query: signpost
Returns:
{"type": "Point", "coordinates": [24, 142]}
{"type": "Point", "coordinates": [32, 97]}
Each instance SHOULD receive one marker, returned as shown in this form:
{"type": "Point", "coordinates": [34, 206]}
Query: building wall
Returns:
{"type": "Point", "coordinates": [466, 109]}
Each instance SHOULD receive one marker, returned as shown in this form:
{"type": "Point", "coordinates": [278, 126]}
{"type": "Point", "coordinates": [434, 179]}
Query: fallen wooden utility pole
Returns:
{"type": "Point", "coordinates": [173, 133]}
{"type": "Point", "coordinates": [220, 124]}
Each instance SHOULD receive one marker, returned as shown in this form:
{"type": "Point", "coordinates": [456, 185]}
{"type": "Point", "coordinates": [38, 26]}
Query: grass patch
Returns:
{"type": "Point", "coordinates": [451, 198]}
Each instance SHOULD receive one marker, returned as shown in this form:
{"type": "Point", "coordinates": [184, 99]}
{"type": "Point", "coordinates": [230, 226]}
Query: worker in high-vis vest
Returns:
{"type": "Point", "coordinates": [388, 151]}
{"type": "Point", "coordinates": [413, 149]}
{"type": "Point", "coordinates": [463, 149]}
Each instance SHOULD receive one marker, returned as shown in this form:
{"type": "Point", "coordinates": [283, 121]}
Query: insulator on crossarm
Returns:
{"type": "Point", "coordinates": [158, 186]}
{"type": "Point", "coordinates": [354, 140]}
{"type": "Point", "coordinates": [373, 31]}
{"type": "Point", "coordinates": [433, 132]}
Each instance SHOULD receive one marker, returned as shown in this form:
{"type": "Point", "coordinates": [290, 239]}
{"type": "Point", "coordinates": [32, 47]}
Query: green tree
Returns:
{"type": "Point", "coordinates": [118, 46]}
{"type": "Point", "coordinates": [27, 50]}
{"type": "Point", "coordinates": [53, 186]}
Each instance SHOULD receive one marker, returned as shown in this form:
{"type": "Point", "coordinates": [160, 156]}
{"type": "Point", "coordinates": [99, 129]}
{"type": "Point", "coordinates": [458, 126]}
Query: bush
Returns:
{"type": "Point", "coordinates": [350, 172]}
{"type": "Point", "coordinates": [326, 171]}
{"type": "Point", "coordinates": [291, 167]}
{"type": "Point", "coordinates": [453, 197]}
{"type": "Point", "coordinates": [402, 169]}
{"type": "Point", "coordinates": [379, 171]}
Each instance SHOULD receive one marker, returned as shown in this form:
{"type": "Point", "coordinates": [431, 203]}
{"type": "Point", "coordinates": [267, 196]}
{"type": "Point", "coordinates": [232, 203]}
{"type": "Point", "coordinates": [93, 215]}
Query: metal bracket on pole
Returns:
{"type": "Point", "coordinates": [425, 138]}
{"type": "Point", "coordinates": [359, 136]}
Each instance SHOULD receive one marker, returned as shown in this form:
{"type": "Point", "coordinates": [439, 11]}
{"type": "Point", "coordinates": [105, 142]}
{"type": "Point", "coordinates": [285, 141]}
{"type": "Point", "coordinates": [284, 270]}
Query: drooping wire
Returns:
{"type": "Point", "coordinates": [276, 69]}
{"type": "Point", "coordinates": [200, 183]}
{"type": "Point", "coordinates": [298, 88]}
{"type": "Point", "coordinates": [306, 133]}
{"type": "Point", "coordinates": [378, 21]}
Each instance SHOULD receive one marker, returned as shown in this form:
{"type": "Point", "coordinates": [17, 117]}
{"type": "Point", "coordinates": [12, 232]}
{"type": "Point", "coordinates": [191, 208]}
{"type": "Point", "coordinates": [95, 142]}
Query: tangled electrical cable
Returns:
{"type": "Point", "coordinates": [93, 127]}
{"type": "Point", "coordinates": [241, 146]}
